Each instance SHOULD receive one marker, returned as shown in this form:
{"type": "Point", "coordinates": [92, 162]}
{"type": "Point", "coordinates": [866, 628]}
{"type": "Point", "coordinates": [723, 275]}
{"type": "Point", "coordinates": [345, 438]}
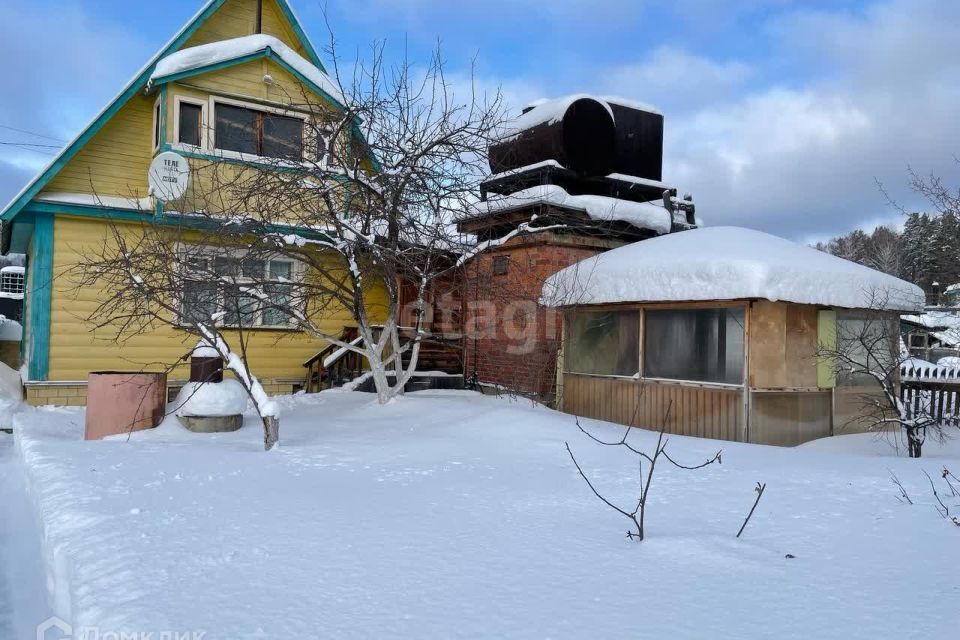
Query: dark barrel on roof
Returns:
{"type": "Point", "coordinates": [581, 137]}
{"type": "Point", "coordinates": [639, 141]}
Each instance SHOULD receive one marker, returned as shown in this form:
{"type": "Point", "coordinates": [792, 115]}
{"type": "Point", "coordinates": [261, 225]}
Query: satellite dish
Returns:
{"type": "Point", "coordinates": [168, 176]}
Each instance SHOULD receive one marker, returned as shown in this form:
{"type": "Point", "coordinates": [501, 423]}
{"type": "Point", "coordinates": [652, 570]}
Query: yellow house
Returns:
{"type": "Point", "coordinates": [234, 59]}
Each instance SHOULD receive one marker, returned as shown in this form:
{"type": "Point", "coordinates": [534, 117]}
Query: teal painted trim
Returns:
{"type": "Point", "coordinates": [38, 321]}
{"type": "Point", "coordinates": [41, 181]}
{"type": "Point", "coordinates": [302, 78]}
{"type": "Point", "coordinates": [68, 153]}
{"type": "Point", "coordinates": [163, 116]}
{"type": "Point", "coordinates": [377, 167]}
{"type": "Point", "coordinates": [265, 164]}
{"type": "Point", "coordinates": [257, 55]}
{"type": "Point", "coordinates": [168, 220]}
{"type": "Point", "coordinates": [301, 34]}
{"type": "Point", "coordinates": [226, 64]}
{"type": "Point", "coordinates": [20, 235]}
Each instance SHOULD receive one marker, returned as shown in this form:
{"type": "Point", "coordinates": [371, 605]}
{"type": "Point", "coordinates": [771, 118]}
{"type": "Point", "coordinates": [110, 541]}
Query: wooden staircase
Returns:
{"type": "Point", "coordinates": [335, 366]}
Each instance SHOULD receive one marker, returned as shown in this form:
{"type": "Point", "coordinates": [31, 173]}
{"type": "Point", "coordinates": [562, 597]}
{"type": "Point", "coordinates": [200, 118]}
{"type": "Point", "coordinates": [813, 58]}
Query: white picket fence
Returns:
{"type": "Point", "coordinates": [932, 390]}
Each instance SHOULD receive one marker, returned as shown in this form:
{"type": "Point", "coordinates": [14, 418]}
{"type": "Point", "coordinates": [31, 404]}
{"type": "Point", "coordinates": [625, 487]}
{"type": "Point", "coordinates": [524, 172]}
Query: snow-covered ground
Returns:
{"type": "Point", "coordinates": [455, 515]}
{"type": "Point", "coordinates": [23, 601]}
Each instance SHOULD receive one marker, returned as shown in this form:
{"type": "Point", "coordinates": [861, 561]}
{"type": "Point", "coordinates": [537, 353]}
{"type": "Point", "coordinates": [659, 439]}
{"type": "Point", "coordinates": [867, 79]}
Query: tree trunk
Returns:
{"type": "Point", "coordinates": [271, 432]}
{"type": "Point", "coordinates": [914, 443]}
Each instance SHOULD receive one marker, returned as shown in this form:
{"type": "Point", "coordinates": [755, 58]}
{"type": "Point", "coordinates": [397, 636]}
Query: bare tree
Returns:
{"type": "Point", "coordinates": [867, 354]}
{"type": "Point", "coordinates": [154, 279]}
{"type": "Point", "coordinates": [361, 202]}
{"type": "Point", "coordinates": [637, 512]}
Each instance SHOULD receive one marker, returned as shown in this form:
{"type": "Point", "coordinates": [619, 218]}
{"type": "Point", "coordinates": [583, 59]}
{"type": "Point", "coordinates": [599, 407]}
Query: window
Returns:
{"type": "Point", "coordinates": [703, 345]}
{"type": "Point", "coordinates": [603, 343]}
{"type": "Point", "coordinates": [257, 132]}
{"type": "Point", "coordinates": [190, 124]}
{"type": "Point", "coordinates": [868, 340]}
{"type": "Point", "coordinates": [248, 294]}
{"type": "Point", "coordinates": [501, 264]}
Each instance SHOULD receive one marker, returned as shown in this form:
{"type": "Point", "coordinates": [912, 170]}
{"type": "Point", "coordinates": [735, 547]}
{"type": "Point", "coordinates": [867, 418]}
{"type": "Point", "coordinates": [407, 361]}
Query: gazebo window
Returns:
{"type": "Point", "coordinates": [702, 345]}
{"type": "Point", "coordinates": [603, 343]}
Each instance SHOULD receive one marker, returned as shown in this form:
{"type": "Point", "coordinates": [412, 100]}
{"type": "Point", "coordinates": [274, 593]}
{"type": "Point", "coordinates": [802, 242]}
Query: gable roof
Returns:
{"type": "Point", "coordinates": [136, 83]}
{"type": "Point", "coordinates": [205, 57]}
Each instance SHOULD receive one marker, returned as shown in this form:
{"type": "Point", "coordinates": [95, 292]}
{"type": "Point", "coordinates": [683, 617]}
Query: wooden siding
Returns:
{"type": "Point", "coordinates": [246, 80]}
{"type": "Point", "coordinates": [239, 17]}
{"type": "Point", "coordinates": [76, 348]}
{"type": "Point", "coordinates": [708, 412]}
{"type": "Point", "coordinates": [115, 161]}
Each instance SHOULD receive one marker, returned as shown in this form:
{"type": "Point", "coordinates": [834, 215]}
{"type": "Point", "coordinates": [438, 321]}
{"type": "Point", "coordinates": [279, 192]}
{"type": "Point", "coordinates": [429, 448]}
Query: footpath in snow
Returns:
{"type": "Point", "coordinates": [455, 515]}
{"type": "Point", "coordinates": [23, 595]}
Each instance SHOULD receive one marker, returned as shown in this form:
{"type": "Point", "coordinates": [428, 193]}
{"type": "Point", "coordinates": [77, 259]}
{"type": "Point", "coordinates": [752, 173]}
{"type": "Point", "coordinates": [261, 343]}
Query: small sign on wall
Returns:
{"type": "Point", "coordinates": [169, 176]}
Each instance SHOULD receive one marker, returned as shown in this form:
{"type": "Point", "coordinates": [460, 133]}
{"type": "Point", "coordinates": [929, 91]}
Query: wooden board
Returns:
{"type": "Point", "coordinates": [694, 410]}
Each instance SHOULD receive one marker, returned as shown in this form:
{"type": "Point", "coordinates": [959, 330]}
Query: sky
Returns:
{"type": "Point", "coordinates": [781, 115]}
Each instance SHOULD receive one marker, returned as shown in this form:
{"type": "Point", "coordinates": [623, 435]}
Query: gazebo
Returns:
{"type": "Point", "coordinates": [722, 326]}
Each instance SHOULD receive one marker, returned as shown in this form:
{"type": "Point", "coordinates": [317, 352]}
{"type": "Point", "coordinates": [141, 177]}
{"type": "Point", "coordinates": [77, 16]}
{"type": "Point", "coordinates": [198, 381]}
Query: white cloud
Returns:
{"type": "Point", "coordinates": [61, 68]}
{"type": "Point", "coordinates": [878, 91]}
{"type": "Point", "coordinates": [678, 81]}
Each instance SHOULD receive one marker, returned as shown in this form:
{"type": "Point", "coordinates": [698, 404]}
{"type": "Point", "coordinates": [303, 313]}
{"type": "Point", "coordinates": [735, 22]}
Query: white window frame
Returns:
{"type": "Point", "coordinates": [296, 270]}
{"type": "Point", "coordinates": [204, 122]}
{"type": "Point", "coordinates": [255, 106]}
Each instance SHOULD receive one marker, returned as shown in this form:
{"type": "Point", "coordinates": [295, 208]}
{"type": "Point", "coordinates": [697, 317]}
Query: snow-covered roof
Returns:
{"type": "Point", "coordinates": [549, 111]}
{"type": "Point", "coordinates": [13, 269]}
{"type": "Point", "coordinates": [643, 215]}
{"type": "Point", "coordinates": [530, 167]}
{"type": "Point", "coordinates": [213, 53]}
{"type": "Point", "coordinates": [943, 326]}
{"type": "Point", "coordinates": [934, 320]}
{"type": "Point", "coordinates": [545, 112]}
{"type": "Point", "coordinates": [952, 288]}
{"type": "Point", "coordinates": [16, 204]}
{"type": "Point", "coordinates": [727, 263]}
{"type": "Point", "coordinates": [631, 104]}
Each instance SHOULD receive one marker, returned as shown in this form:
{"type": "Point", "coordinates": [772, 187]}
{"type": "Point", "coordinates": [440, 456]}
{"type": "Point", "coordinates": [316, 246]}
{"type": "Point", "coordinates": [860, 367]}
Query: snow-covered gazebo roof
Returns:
{"type": "Point", "coordinates": [727, 263]}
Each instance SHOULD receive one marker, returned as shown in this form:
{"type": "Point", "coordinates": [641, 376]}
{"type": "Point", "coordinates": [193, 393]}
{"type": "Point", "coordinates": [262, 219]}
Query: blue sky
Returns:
{"type": "Point", "coordinates": [780, 114]}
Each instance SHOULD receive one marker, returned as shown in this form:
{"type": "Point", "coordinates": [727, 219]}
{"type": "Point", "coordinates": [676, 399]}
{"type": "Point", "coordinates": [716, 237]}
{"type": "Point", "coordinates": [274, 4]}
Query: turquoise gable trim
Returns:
{"type": "Point", "coordinates": [135, 85]}
{"type": "Point", "coordinates": [37, 337]}
{"type": "Point", "coordinates": [266, 163]}
{"type": "Point", "coordinates": [131, 89]}
{"type": "Point", "coordinates": [168, 219]}
{"type": "Point", "coordinates": [266, 53]}
{"type": "Point", "coordinates": [226, 64]}
{"type": "Point", "coordinates": [298, 30]}
{"type": "Point", "coordinates": [302, 78]}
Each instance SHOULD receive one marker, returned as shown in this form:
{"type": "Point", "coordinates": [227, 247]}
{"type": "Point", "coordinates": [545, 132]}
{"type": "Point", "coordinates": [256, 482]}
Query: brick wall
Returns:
{"type": "Point", "coordinates": [511, 340]}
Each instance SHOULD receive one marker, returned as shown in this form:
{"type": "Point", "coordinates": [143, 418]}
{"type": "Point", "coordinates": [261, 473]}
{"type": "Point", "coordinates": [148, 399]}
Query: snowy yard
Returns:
{"type": "Point", "coordinates": [450, 514]}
